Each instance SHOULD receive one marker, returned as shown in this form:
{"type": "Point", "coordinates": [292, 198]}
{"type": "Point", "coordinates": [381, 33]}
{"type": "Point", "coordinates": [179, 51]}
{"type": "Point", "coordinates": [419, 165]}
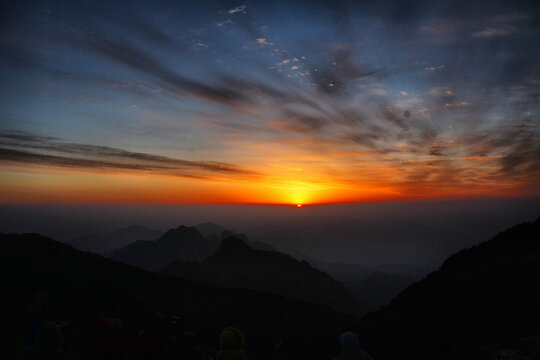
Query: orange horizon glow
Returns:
{"type": "Point", "coordinates": [34, 186]}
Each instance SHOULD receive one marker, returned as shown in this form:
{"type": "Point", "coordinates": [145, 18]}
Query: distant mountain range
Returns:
{"type": "Point", "coordinates": [482, 303]}
{"type": "Point", "coordinates": [186, 253]}
{"type": "Point", "coordinates": [481, 299]}
{"type": "Point", "coordinates": [105, 243]}
{"type": "Point", "coordinates": [378, 288]}
{"type": "Point", "coordinates": [152, 250]}
{"type": "Point", "coordinates": [237, 265]}
{"type": "Point", "coordinates": [375, 285]}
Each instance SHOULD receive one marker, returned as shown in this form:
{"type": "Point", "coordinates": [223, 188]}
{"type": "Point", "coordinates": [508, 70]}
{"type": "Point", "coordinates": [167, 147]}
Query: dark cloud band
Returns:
{"type": "Point", "coordinates": [21, 147]}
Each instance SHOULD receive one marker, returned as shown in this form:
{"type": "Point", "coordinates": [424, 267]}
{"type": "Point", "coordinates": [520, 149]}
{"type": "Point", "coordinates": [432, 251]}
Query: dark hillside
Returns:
{"type": "Point", "coordinates": [485, 295]}
{"type": "Point", "coordinates": [48, 280]}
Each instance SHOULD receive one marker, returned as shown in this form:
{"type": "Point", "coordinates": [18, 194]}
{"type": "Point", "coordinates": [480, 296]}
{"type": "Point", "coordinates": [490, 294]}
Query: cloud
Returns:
{"type": "Point", "coordinates": [440, 91]}
{"type": "Point", "coordinates": [230, 90]}
{"type": "Point", "coordinates": [436, 151]}
{"type": "Point", "coordinates": [301, 123]}
{"type": "Point", "coordinates": [224, 22]}
{"type": "Point", "coordinates": [492, 32]}
{"type": "Point", "coordinates": [394, 117]}
{"type": "Point", "coordinates": [512, 18]}
{"type": "Point", "coordinates": [149, 31]}
{"type": "Point", "coordinates": [517, 146]}
{"type": "Point", "coordinates": [238, 9]}
{"type": "Point", "coordinates": [263, 41]}
{"type": "Point", "coordinates": [340, 71]}
{"type": "Point", "coordinates": [442, 27]}
{"type": "Point", "coordinates": [22, 147]}
{"type": "Point", "coordinates": [135, 58]}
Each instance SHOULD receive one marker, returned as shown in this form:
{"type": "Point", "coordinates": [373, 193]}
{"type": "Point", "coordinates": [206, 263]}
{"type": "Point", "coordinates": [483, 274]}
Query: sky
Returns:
{"type": "Point", "coordinates": [268, 102]}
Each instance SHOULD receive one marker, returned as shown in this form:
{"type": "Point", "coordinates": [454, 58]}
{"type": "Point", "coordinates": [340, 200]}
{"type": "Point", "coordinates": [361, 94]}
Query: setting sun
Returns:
{"type": "Point", "coordinates": [298, 205]}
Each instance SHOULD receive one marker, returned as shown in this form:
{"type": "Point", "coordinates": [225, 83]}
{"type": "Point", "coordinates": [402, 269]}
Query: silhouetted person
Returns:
{"type": "Point", "coordinates": [47, 345]}
{"type": "Point", "coordinates": [350, 348]}
{"type": "Point", "coordinates": [33, 332]}
{"type": "Point", "coordinates": [120, 333]}
{"type": "Point", "coordinates": [188, 348]}
{"type": "Point", "coordinates": [105, 345]}
{"type": "Point", "coordinates": [173, 350]}
{"type": "Point", "coordinates": [146, 345]}
{"type": "Point", "coordinates": [231, 342]}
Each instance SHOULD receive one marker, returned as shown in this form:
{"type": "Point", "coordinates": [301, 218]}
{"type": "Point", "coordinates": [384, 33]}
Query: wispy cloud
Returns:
{"type": "Point", "coordinates": [22, 147]}
{"type": "Point", "coordinates": [238, 9]}
{"type": "Point", "coordinates": [263, 41]}
{"type": "Point", "coordinates": [491, 32]}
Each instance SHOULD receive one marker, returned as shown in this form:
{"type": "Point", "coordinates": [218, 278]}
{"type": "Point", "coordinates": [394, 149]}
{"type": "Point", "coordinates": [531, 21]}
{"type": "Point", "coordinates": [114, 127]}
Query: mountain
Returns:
{"type": "Point", "coordinates": [258, 245]}
{"type": "Point", "coordinates": [481, 298]}
{"type": "Point", "coordinates": [376, 285]}
{"type": "Point", "coordinates": [183, 243]}
{"type": "Point", "coordinates": [44, 279]}
{"type": "Point", "coordinates": [377, 288]}
{"type": "Point", "coordinates": [105, 243]}
{"type": "Point", "coordinates": [207, 229]}
{"type": "Point", "coordinates": [210, 230]}
{"type": "Point", "coordinates": [237, 265]}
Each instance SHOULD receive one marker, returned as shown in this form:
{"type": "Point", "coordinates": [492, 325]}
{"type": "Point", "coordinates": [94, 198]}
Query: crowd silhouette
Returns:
{"type": "Point", "coordinates": [111, 341]}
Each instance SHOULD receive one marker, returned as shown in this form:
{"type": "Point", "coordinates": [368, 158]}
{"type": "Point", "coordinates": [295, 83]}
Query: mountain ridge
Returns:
{"type": "Point", "coordinates": [181, 243]}
{"type": "Point", "coordinates": [237, 265]}
{"type": "Point", "coordinates": [105, 243]}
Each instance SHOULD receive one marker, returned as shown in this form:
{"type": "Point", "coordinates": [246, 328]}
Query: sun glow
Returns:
{"type": "Point", "coordinates": [39, 184]}
{"type": "Point", "coordinates": [299, 192]}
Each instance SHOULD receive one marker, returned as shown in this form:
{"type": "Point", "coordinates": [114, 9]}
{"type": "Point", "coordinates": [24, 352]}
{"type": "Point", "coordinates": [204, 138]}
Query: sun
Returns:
{"type": "Point", "coordinates": [298, 205]}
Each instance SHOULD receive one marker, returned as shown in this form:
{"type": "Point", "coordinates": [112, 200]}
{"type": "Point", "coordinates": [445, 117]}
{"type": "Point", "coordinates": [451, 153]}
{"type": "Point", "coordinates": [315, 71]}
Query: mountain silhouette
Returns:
{"type": "Point", "coordinates": [480, 297]}
{"type": "Point", "coordinates": [259, 245]}
{"type": "Point", "coordinates": [183, 243]}
{"type": "Point", "coordinates": [105, 243]}
{"type": "Point", "coordinates": [49, 280]}
{"type": "Point", "coordinates": [237, 265]}
{"type": "Point", "coordinates": [208, 228]}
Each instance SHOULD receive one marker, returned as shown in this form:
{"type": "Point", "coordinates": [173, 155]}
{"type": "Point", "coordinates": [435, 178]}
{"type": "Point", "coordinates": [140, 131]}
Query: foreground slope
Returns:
{"type": "Point", "coordinates": [480, 297]}
{"type": "Point", "coordinates": [237, 265]}
{"type": "Point", "coordinates": [44, 279]}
